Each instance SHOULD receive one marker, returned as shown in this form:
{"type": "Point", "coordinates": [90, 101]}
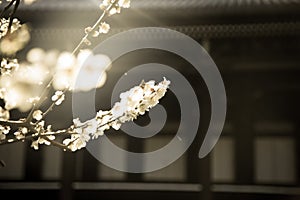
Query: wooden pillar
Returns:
{"type": "Point", "coordinates": [68, 173]}
{"type": "Point", "coordinates": [90, 167]}
{"type": "Point", "coordinates": [33, 164]}
{"type": "Point", "coordinates": [244, 135]}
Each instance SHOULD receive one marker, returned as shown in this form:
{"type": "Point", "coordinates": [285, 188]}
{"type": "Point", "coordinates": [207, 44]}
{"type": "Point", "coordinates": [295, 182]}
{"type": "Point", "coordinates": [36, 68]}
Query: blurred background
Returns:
{"type": "Point", "coordinates": [256, 46]}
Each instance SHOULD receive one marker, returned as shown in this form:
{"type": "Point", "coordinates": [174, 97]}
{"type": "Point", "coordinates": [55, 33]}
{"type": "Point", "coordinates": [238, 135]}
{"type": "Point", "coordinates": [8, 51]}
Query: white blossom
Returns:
{"type": "Point", "coordinates": [83, 130]}
{"type": "Point", "coordinates": [104, 27]}
{"type": "Point", "coordinates": [88, 29]}
{"type": "Point", "coordinates": [104, 4]}
{"type": "Point", "coordinates": [114, 10]}
{"type": "Point", "coordinates": [42, 140]}
{"type": "Point", "coordinates": [118, 109]}
{"type": "Point", "coordinates": [19, 135]}
{"type": "Point", "coordinates": [8, 65]}
{"type": "Point", "coordinates": [116, 125]}
{"type": "Point", "coordinates": [21, 132]}
{"type": "Point", "coordinates": [38, 115]}
{"type": "Point", "coordinates": [58, 97]}
{"type": "Point", "coordinates": [77, 141]}
{"type": "Point", "coordinates": [4, 129]}
{"type": "Point", "coordinates": [124, 3]}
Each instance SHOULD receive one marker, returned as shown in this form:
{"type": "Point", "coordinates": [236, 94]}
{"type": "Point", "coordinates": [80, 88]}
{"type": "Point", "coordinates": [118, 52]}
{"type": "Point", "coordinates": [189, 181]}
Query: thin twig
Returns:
{"type": "Point", "coordinates": [56, 144]}
{"type": "Point", "coordinates": [17, 124]}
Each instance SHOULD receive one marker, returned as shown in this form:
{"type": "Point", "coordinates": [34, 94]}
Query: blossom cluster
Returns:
{"type": "Point", "coordinates": [112, 7]}
{"type": "Point", "coordinates": [8, 65]}
{"type": "Point", "coordinates": [22, 83]}
{"type": "Point", "coordinates": [133, 103]}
